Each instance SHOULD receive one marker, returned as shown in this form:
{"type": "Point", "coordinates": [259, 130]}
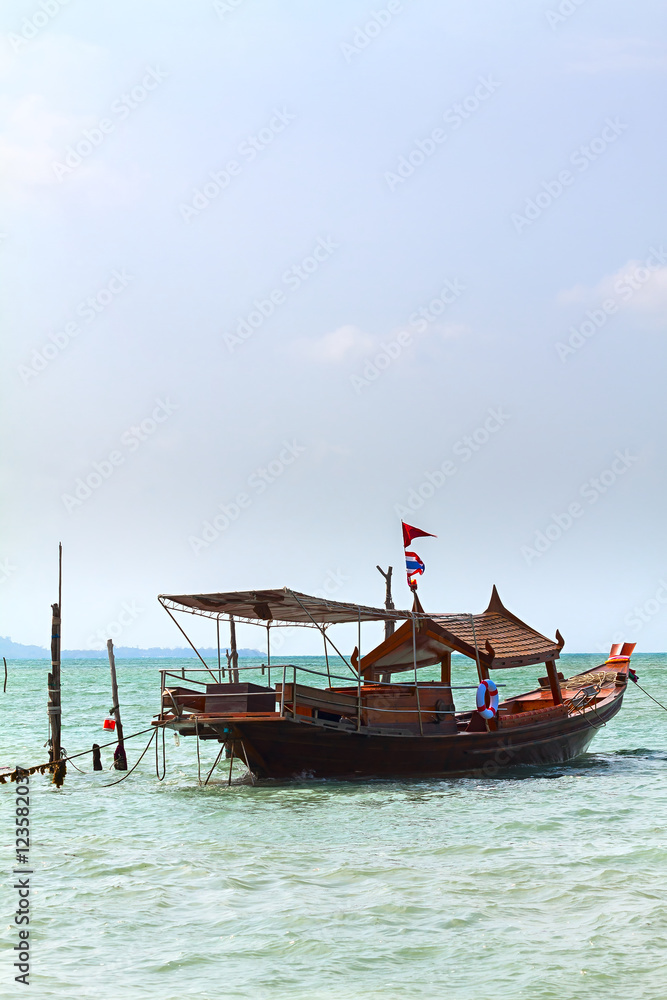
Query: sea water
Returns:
{"type": "Point", "coordinates": [544, 884]}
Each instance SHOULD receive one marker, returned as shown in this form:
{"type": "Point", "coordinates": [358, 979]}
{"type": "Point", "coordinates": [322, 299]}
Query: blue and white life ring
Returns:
{"type": "Point", "coordinates": [487, 699]}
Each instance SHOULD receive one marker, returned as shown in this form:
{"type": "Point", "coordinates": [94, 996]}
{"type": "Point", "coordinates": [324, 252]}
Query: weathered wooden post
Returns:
{"type": "Point", "coordinates": [97, 758]}
{"type": "Point", "coordinates": [4, 690]}
{"type": "Point", "coordinates": [388, 602]}
{"type": "Point", "coordinates": [119, 758]}
{"type": "Point", "coordinates": [232, 643]}
{"type": "Point", "coordinates": [58, 767]}
{"type": "Point", "coordinates": [554, 682]}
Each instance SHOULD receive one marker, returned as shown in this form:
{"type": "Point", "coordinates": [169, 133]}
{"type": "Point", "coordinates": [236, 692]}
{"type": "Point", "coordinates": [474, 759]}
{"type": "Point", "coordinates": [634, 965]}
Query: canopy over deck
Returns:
{"type": "Point", "coordinates": [496, 636]}
{"type": "Point", "coordinates": [278, 606]}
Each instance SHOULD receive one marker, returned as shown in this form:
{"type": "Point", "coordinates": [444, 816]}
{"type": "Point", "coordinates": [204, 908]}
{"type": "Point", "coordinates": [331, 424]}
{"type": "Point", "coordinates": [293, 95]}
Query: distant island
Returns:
{"type": "Point", "coordinates": [17, 651]}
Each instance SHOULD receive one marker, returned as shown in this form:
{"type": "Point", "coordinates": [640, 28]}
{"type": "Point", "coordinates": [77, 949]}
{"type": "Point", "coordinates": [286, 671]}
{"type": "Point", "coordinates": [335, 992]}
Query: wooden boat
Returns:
{"type": "Point", "coordinates": [325, 726]}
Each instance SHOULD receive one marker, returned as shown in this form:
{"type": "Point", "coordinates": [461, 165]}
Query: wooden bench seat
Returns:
{"type": "Point", "coordinates": [333, 702]}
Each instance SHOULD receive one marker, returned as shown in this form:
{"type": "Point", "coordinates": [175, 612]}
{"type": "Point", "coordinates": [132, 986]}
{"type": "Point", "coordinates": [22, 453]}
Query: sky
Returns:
{"type": "Point", "coordinates": [277, 275]}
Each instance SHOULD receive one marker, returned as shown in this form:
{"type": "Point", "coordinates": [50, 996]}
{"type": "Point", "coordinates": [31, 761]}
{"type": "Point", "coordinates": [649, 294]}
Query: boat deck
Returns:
{"type": "Point", "coordinates": [385, 709]}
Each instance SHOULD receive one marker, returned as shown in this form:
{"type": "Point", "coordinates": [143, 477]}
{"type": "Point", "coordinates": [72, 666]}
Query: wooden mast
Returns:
{"type": "Point", "coordinates": [119, 758]}
{"type": "Point", "coordinates": [58, 767]}
{"type": "Point", "coordinates": [389, 626]}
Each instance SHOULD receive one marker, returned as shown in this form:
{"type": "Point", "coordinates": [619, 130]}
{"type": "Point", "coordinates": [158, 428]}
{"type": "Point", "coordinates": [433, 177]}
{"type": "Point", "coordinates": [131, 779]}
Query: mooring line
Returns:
{"type": "Point", "coordinates": [663, 707]}
{"type": "Point", "coordinates": [164, 757]}
{"type": "Point", "coordinates": [72, 762]}
{"type": "Point", "coordinates": [11, 775]}
{"type": "Point", "coordinates": [110, 783]}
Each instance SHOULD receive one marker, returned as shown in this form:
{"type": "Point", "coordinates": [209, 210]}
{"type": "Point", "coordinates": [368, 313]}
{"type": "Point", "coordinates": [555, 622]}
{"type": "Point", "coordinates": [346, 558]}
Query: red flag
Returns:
{"type": "Point", "coordinates": [409, 533]}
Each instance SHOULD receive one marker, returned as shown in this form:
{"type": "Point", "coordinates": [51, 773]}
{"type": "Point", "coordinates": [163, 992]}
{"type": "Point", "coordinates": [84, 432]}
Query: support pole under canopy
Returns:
{"type": "Point", "coordinates": [235, 654]}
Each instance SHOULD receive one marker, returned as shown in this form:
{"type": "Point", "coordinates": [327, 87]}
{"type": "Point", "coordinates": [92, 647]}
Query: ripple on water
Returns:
{"type": "Point", "coordinates": [539, 884]}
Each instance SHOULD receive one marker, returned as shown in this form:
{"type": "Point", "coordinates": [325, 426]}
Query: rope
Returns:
{"type": "Point", "coordinates": [659, 703]}
{"type": "Point", "coordinates": [164, 757]}
{"type": "Point", "coordinates": [49, 765]}
{"type": "Point", "coordinates": [323, 630]}
{"type": "Point", "coordinates": [245, 754]}
{"type": "Point", "coordinates": [595, 705]}
{"type": "Point", "coordinates": [663, 707]}
{"type": "Point", "coordinates": [65, 757]}
{"type": "Point", "coordinates": [581, 709]}
{"type": "Point", "coordinates": [153, 734]}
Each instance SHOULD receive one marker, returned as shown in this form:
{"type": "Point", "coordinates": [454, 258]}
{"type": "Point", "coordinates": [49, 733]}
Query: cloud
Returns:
{"type": "Point", "coordinates": [638, 285]}
{"type": "Point", "coordinates": [44, 73]}
{"type": "Point", "coordinates": [336, 346]}
{"type": "Point", "coordinates": [34, 137]}
{"type": "Point", "coordinates": [449, 331]}
{"type": "Point", "coordinates": [349, 343]}
{"type": "Point", "coordinates": [30, 139]}
{"type": "Point", "coordinates": [52, 73]}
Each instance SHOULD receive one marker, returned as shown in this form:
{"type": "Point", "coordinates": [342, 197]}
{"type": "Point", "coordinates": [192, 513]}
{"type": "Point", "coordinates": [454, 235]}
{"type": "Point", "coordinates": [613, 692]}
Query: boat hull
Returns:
{"type": "Point", "coordinates": [285, 748]}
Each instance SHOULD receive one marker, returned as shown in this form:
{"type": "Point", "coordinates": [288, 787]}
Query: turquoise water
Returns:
{"type": "Point", "coordinates": [539, 884]}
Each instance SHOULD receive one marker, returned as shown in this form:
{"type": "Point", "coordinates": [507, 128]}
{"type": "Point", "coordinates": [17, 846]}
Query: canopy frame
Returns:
{"type": "Point", "coordinates": [517, 643]}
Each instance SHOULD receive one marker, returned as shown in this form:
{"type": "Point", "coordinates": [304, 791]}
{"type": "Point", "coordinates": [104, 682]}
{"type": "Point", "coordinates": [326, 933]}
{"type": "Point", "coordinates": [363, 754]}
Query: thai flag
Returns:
{"type": "Point", "coordinates": [413, 565]}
